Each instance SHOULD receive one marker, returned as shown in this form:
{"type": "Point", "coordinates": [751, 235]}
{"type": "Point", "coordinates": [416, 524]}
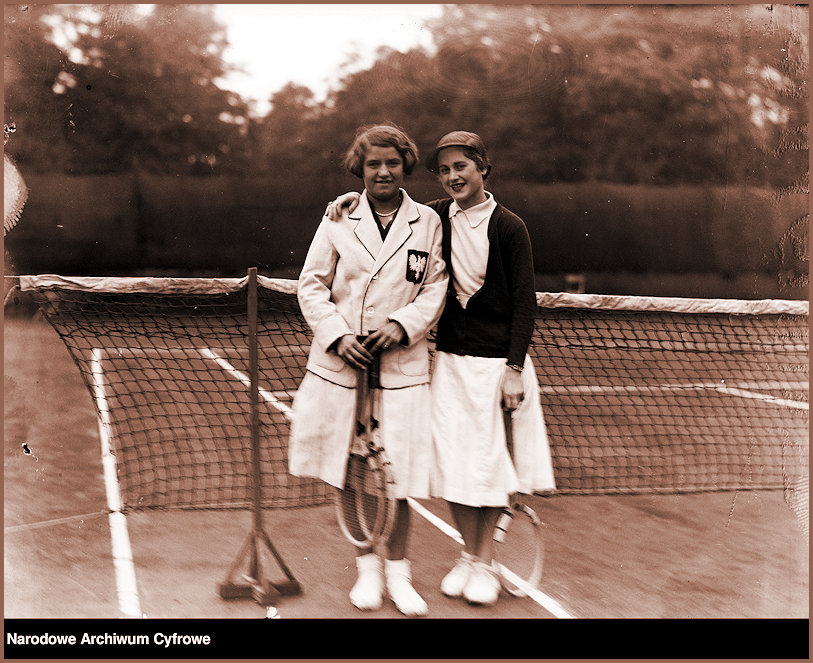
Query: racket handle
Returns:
{"type": "Point", "coordinates": [374, 372]}
{"type": "Point", "coordinates": [503, 523]}
{"type": "Point", "coordinates": [508, 420]}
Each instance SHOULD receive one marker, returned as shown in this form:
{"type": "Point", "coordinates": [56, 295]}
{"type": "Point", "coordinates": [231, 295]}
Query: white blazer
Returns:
{"type": "Point", "coordinates": [353, 283]}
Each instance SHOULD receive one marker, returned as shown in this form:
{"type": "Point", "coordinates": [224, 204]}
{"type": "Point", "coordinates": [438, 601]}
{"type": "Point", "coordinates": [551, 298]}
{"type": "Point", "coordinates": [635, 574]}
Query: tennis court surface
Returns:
{"type": "Point", "coordinates": [680, 445]}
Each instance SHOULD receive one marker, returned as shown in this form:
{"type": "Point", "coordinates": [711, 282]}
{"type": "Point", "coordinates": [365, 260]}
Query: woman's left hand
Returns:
{"type": "Point", "coordinates": [382, 339]}
{"type": "Point", "coordinates": [513, 392]}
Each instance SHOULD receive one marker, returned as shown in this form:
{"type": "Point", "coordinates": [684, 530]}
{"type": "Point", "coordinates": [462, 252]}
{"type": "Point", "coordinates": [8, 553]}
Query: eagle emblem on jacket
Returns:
{"type": "Point", "coordinates": [416, 265]}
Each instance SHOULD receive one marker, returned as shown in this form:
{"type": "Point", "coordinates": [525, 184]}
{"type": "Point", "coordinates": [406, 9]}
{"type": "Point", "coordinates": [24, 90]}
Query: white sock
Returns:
{"type": "Point", "coordinates": [368, 592]}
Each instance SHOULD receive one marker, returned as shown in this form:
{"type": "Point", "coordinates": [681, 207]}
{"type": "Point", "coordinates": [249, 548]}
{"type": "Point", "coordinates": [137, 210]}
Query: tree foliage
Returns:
{"type": "Point", "coordinates": [657, 95]}
{"type": "Point", "coordinates": [663, 94]}
{"type": "Point", "coordinates": [131, 92]}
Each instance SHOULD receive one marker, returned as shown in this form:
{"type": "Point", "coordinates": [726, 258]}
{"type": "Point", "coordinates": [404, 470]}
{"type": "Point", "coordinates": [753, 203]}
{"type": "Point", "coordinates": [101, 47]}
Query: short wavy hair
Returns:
{"type": "Point", "coordinates": [380, 135]}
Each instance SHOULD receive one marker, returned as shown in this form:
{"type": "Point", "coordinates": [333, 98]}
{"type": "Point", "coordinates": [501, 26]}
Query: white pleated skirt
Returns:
{"type": "Point", "coordinates": [472, 465]}
{"type": "Point", "coordinates": [322, 426]}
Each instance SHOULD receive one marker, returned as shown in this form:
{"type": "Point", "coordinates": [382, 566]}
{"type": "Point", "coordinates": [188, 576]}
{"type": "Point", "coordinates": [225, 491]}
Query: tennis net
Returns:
{"type": "Point", "coordinates": [640, 395]}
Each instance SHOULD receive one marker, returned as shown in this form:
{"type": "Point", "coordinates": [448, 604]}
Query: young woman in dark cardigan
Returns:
{"type": "Point", "coordinates": [481, 364]}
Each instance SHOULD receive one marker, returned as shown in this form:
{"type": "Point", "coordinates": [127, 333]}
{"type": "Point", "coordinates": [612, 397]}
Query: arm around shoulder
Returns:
{"type": "Point", "coordinates": [348, 201]}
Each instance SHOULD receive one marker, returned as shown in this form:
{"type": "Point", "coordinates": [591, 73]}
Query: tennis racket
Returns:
{"type": "Point", "coordinates": [518, 538]}
{"type": "Point", "coordinates": [15, 193]}
{"type": "Point", "coordinates": [365, 506]}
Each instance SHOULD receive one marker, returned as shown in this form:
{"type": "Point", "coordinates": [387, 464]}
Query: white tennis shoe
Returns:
{"type": "Point", "coordinates": [368, 592]}
{"type": "Point", "coordinates": [483, 586]}
{"type": "Point", "coordinates": [453, 583]}
{"type": "Point", "coordinates": [400, 589]}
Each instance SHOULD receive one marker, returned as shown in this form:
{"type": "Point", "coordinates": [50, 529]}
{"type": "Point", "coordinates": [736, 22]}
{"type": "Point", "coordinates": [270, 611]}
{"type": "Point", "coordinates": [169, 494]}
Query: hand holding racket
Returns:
{"type": "Point", "coordinates": [518, 540]}
{"type": "Point", "coordinates": [366, 507]}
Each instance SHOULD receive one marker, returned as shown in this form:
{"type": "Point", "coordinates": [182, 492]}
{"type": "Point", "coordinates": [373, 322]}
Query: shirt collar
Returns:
{"type": "Point", "coordinates": [478, 213]}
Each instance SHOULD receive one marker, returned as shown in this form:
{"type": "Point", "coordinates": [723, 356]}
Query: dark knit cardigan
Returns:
{"type": "Point", "coordinates": [498, 320]}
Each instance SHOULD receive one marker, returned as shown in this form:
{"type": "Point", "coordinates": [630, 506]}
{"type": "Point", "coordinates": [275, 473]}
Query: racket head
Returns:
{"type": "Point", "coordinates": [519, 549]}
{"type": "Point", "coordinates": [379, 506]}
{"type": "Point", "coordinates": [346, 503]}
{"type": "Point", "coordinates": [366, 506]}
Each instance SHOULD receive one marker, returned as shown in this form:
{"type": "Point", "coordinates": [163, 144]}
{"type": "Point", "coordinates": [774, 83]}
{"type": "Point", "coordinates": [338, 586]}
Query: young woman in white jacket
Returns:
{"type": "Point", "coordinates": [377, 272]}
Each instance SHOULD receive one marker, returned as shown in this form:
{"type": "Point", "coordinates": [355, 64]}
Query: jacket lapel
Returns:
{"type": "Point", "coordinates": [367, 229]}
{"type": "Point", "coordinates": [399, 233]}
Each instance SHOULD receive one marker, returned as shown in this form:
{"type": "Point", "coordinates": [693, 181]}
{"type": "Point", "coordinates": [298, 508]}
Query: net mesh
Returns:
{"type": "Point", "coordinates": [658, 400]}
{"type": "Point", "coordinates": [166, 363]}
{"type": "Point", "coordinates": [639, 394]}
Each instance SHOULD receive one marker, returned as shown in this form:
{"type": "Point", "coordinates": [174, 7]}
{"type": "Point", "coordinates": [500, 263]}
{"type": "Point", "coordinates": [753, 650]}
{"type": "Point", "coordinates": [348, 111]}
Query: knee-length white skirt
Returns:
{"type": "Point", "coordinates": [472, 464]}
{"type": "Point", "coordinates": [322, 426]}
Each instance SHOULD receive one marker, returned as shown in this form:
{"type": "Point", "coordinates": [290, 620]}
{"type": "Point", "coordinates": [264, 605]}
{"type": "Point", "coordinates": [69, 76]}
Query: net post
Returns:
{"type": "Point", "coordinates": [254, 394]}
{"type": "Point", "coordinates": [255, 585]}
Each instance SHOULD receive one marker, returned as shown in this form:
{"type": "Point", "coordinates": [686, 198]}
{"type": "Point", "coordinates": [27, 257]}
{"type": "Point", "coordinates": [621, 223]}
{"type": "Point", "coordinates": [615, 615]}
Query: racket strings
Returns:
{"type": "Point", "coordinates": [367, 504]}
{"type": "Point", "coordinates": [366, 508]}
{"type": "Point", "coordinates": [369, 501]}
{"type": "Point", "coordinates": [518, 537]}
{"type": "Point", "coordinates": [347, 505]}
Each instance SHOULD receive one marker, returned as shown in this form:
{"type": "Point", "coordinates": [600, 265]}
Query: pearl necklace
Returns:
{"type": "Point", "coordinates": [387, 214]}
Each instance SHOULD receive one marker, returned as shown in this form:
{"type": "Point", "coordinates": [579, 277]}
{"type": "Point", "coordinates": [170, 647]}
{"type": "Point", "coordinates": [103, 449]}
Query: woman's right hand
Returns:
{"type": "Point", "coordinates": [349, 200]}
{"type": "Point", "coordinates": [353, 353]}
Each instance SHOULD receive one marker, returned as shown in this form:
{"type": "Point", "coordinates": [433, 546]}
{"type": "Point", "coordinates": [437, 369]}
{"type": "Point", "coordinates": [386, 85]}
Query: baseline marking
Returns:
{"type": "Point", "coordinates": [742, 393]}
{"type": "Point", "coordinates": [438, 522]}
{"type": "Point", "coordinates": [539, 597]}
{"type": "Point", "coordinates": [55, 521]}
{"type": "Point", "coordinates": [731, 391]}
{"type": "Point", "coordinates": [119, 536]}
{"type": "Point", "coordinates": [268, 396]}
{"type": "Point", "coordinates": [550, 604]}
{"type": "Point", "coordinates": [743, 390]}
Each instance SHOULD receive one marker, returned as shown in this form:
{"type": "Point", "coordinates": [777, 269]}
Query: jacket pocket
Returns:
{"type": "Point", "coordinates": [329, 360]}
{"type": "Point", "coordinates": [414, 361]}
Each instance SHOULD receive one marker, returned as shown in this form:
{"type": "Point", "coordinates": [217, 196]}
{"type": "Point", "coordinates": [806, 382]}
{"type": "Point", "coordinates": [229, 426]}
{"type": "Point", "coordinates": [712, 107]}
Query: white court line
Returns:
{"type": "Point", "coordinates": [742, 393]}
{"type": "Point", "coordinates": [438, 522]}
{"type": "Point", "coordinates": [55, 521]}
{"type": "Point", "coordinates": [731, 391]}
{"type": "Point", "coordinates": [541, 598]}
{"type": "Point", "coordinates": [268, 396]}
{"type": "Point", "coordinates": [119, 536]}
{"type": "Point", "coordinates": [550, 604]}
{"type": "Point", "coordinates": [183, 351]}
{"type": "Point", "coordinates": [741, 390]}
